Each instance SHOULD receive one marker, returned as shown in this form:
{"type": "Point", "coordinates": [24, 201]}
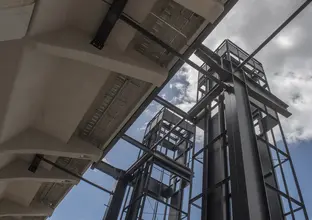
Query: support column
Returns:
{"type": "Point", "coordinates": [137, 195]}
{"type": "Point", "coordinates": [177, 198]}
{"type": "Point", "coordinates": [249, 198]}
{"type": "Point", "coordinates": [116, 199]}
{"type": "Point", "coordinates": [215, 171]}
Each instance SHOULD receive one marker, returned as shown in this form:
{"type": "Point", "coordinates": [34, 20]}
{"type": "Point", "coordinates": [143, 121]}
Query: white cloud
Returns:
{"type": "Point", "coordinates": [295, 89]}
{"type": "Point", "coordinates": [289, 54]}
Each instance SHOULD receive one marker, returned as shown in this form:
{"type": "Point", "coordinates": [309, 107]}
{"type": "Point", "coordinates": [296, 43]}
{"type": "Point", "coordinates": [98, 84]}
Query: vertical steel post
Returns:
{"type": "Point", "coordinates": [247, 184]}
{"type": "Point", "coordinates": [116, 199]}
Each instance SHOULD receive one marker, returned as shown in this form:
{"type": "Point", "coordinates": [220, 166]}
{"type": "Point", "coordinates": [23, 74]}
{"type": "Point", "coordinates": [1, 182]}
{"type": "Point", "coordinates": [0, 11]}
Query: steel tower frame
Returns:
{"type": "Point", "coordinates": [243, 170]}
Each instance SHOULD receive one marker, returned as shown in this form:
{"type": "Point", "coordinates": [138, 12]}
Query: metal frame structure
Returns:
{"type": "Point", "coordinates": [243, 163]}
{"type": "Point", "coordinates": [165, 176]}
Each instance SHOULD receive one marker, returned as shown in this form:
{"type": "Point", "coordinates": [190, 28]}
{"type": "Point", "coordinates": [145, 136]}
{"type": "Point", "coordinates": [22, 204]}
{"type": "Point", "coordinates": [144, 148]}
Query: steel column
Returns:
{"type": "Point", "coordinates": [108, 23]}
{"type": "Point", "coordinates": [116, 199]}
{"type": "Point", "coordinates": [248, 192]}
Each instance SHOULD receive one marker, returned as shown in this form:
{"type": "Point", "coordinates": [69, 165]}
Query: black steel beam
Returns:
{"type": "Point", "coordinates": [136, 143]}
{"type": "Point", "coordinates": [215, 171]}
{"type": "Point", "coordinates": [247, 184]}
{"type": "Point", "coordinates": [172, 166]}
{"type": "Point", "coordinates": [173, 108]}
{"type": "Point", "coordinates": [212, 63]}
{"type": "Point", "coordinates": [210, 53]}
{"type": "Point", "coordinates": [35, 163]}
{"type": "Point", "coordinates": [108, 23]}
{"type": "Point", "coordinates": [142, 160]}
{"type": "Point", "coordinates": [137, 196]}
{"type": "Point", "coordinates": [208, 98]}
{"type": "Point", "coordinates": [115, 203]}
{"type": "Point", "coordinates": [75, 175]}
{"type": "Point", "coordinates": [108, 169]}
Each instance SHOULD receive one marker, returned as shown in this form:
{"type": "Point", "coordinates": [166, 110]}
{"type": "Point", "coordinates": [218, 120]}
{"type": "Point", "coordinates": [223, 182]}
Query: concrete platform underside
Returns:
{"type": "Point", "coordinates": [64, 99]}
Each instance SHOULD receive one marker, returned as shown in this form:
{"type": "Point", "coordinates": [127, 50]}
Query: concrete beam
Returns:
{"type": "Point", "coordinates": [12, 209]}
{"type": "Point", "coordinates": [208, 9]}
{"type": "Point", "coordinates": [33, 141]}
{"type": "Point", "coordinates": [18, 171]}
{"type": "Point", "coordinates": [74, 44]}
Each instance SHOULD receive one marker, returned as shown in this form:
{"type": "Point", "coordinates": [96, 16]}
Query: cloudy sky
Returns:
{"type": "Point", "coordinates": [288, 64]}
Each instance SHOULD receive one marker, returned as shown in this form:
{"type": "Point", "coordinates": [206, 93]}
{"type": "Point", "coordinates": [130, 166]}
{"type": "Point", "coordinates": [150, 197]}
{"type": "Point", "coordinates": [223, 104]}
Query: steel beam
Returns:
{"type": "Point", "coordinates": [248, 192]}
{"type": "Point", "coordinates": [267, 98]}
{"type": "Point", "coordinates": [138, 164]}
{"type": "Point", "coordinates": [208, 98]}
{"type": "Point", "coordinates": [137, 194]}
{"type": "Point", "coordinates": [136, 143]}
{"type": "Point", "coordinates": [108, 23]}
{"type": "Point", "coordinates": [109, 170]}
{"type": "Point", "coordinates": [116, 199]}
{"type": "Point", "coordinates": [172, 166]}
{"type": "Point", "coordinates": [210, 53]}
{"type": "Point", "coordinates": [215, 172]}
{"type": "Point", "coordinates": [173, 108]}
{"type": "Point", "coordinates": [212, 63]}
{"type": "Point", "coordinates": [75, 175]}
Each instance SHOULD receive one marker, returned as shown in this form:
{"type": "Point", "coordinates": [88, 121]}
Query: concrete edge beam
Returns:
{"type": "Point", "coordinates": [33, 141]}
{"type": "Point", "coordinates": [18, 171]}
{"type": "Point", "coordinates": [75, 44]}
{"type": "Point", "coordinates": [11, 209]}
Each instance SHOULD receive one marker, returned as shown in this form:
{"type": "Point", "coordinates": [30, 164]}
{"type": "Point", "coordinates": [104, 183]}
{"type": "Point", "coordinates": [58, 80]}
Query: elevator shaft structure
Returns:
{"type": "Point", "coordinates": [160, 181]}
{"type": "Point", "coordinates": [225, 159]}
{"type": "Point", "coordinates": [244, 154]}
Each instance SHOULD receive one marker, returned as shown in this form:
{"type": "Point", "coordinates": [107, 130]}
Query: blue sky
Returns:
{"type": "Point", "coordinates": [288, 63]}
